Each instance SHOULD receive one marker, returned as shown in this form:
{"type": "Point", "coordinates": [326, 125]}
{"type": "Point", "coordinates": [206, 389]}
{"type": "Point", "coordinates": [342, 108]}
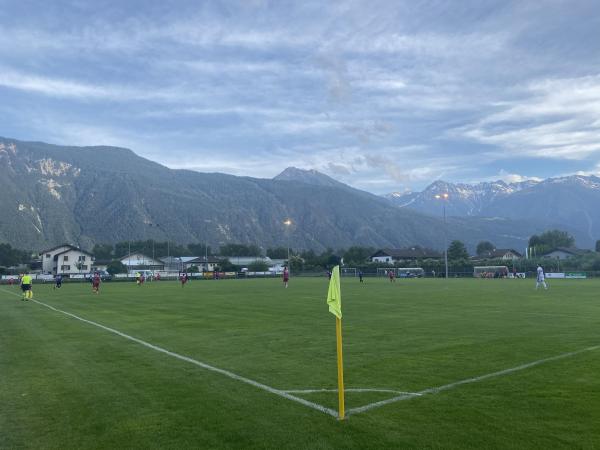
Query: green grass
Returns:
{"type": "Point", "coordinates": [68, 384]}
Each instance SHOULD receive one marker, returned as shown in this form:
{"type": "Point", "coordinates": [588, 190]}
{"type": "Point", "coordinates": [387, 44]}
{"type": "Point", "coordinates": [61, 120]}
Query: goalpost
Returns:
{"type": "Point", "coordinates": [384, 271]}
{"type": "Point", "coordinates": [401, 272]}
{"type": "Point", "coordinates": [348, 271]}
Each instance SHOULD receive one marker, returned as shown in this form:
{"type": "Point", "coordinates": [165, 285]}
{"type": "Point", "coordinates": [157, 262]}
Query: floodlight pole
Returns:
{"type": "Point", "coordinates": [206, 222]}
{"type": "Point", "coordinates": [445, 241]}
{"type": "Point", "coordinates": [287, 223]}
{"type": "Point", "coordinates": [444, 198]}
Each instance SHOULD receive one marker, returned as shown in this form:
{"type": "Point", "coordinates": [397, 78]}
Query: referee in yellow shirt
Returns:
{"type": "Point", "coordinates": [26, 282]}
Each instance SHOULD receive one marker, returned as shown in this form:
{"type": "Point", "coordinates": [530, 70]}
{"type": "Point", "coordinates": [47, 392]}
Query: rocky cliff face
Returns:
{"type": "Point", "coordinates": [84, 195]}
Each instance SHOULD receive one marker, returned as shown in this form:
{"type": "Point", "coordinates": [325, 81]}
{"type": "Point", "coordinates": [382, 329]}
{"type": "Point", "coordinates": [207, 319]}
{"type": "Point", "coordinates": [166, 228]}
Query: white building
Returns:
{"type": "Point", "coordinates": [139, 261]}
{"type": "Point", "coordinates": [564, 253]}
{"type": "Point", "coordinates": [393, 255]}
{"type": "Point", "coordinates": [502, 253]}
{"type": "Point", "coordinates": [66, 259]}
{"type": "Point", "coordinates": [245, 261]}
{"type": "Point", "coordinates": [184, 263]}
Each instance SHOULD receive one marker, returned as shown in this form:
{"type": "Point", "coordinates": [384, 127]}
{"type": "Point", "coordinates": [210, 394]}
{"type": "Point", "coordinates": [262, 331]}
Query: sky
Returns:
{"type": "Point", "coordinates": [383, 95]}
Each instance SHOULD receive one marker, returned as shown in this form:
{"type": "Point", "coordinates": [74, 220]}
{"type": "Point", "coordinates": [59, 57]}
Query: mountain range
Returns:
{"type": "Point", "coordinates": [52, 194]}
{"type": "Point", "coordinates": [569, 203]}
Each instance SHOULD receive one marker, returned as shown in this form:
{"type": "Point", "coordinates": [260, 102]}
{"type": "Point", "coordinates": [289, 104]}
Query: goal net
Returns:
{"type": "Point", "coordinates": [348, 271]}
{"type": "Point", "coordinates": [384, 271]}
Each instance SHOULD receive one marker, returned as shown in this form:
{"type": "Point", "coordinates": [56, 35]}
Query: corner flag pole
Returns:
{"type": "Point", "coordinates": [340, 367]}
{"type": "Point", "coordinates": [334, 300]}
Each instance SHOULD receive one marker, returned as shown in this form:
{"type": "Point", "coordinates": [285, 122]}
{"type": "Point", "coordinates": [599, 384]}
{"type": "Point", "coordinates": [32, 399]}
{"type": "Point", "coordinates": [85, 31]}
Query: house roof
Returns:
{"type": "Point", "coordinates": [149, 258]}
{"type": "Point", "coordinates": [202, 259]}
{"type": "Point", "coordinates": [570, 250]}
{"type": "Point", "coordinates": [500, 252]}
{"type": "Point", "coordinates": [71, 248]}
{"type": "Point", "coordinates": [409, 252]}
{"type": "Point", "coordinates": [177, 259]}
{"type": "Point", "coordinates": [58, 246]}
{"type": "Point", "coordinates": [102, 262]}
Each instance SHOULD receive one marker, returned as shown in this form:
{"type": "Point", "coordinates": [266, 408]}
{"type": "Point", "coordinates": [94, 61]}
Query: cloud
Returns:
{"type": "Point", "coordinates": [554, 118]}
{"type": "Point", "coordinates": [338, 169]}
{"type": "Point", "coordinates": [514, 177]}
{"type": "Point", "coordinates": [383, 95]}
{"type": "Point", "coordinates": [65, 88]}
{"type": "Point", "coordinates": [594, 171]}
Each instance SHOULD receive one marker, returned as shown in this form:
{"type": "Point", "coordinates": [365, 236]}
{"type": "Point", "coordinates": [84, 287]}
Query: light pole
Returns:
{"type": "Point", "coordinates": [206, 222]}
{"type": "Point", "coordinates": [288, 223]}
{"type": "Point", "coordinates": [444, 198]}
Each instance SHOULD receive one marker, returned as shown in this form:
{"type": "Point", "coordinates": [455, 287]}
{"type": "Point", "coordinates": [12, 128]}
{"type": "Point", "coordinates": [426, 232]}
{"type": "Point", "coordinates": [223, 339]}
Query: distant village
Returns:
{"type": "Point", "coordinates": [71, 261]}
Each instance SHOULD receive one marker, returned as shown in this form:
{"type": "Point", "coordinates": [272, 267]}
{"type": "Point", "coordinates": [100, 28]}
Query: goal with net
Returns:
{"type": "Point", "coordinates": [348, 271]}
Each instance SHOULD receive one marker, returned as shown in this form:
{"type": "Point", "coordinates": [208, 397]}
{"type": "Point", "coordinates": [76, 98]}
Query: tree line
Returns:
{"type": "Point", "coordinates": [355, 256]}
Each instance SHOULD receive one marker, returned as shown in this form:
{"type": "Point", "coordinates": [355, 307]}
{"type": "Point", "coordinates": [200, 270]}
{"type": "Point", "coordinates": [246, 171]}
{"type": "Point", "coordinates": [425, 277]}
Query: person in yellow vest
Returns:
{"type": "Point", "coordinates": [26, 282]}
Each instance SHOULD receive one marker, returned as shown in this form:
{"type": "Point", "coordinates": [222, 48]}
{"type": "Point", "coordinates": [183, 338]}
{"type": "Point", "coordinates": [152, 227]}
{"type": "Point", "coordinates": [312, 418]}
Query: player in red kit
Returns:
{"type": "Point", "coordinates": [183, 278]}
{"type": "Point", "coordinates": [96, 283]}
{"type": "Point", "coordinates": [286, 276]}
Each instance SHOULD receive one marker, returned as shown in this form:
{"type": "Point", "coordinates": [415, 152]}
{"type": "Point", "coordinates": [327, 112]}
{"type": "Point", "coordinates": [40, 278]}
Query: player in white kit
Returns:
{"type": "Point", "coordinates": [541, 279]}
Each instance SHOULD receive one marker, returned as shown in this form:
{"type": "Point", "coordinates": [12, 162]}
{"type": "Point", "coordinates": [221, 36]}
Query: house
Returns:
{"type": "Point", "coordinates": [139, 261]}
{"type": "Point", "coordinates": [184, 263]}
{"type": "Point", "coordinates": [100, 265]}
{"type": "Point", "coordinates": [66, 259]}
{"type": "Point", "coordinates": [388, 255]}
{"type": "Point", "coordinates": [501, 253]}
{"type": "Point", "coordinates": [245, 261]}
{"type": "Point", "coordinates": [178, 263]}
{"type": "Point", "coordinates": [204, 264]}
{"type": "Point", "coordinates": [564, 253]}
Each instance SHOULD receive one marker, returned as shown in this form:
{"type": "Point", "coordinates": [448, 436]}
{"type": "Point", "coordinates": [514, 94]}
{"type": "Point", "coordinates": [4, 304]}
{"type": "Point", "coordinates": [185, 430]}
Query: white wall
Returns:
{"type": "Point", "coordinates": [48, 264]}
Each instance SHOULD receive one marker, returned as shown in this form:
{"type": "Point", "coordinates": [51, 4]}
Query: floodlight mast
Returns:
{"type": "Point", "coordinates": [444, 198]}
{"type": "Point", "coordinates": [288, 222]}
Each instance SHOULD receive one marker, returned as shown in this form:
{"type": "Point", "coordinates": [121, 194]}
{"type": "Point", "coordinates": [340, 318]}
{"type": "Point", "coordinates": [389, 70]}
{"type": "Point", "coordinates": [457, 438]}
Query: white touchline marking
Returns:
{"type": "Point", "coordinates": [224, 372]}
{"type": "Point", "coordinates": [331, 412]}
{"type": "Point", "coordinates": [314, 391]}
{"type": "Point", "coordinates": [435, 390]}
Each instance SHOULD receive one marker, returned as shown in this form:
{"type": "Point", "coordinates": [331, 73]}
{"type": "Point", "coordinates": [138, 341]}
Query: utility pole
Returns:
{"type": "Point", "coordinates": [444, 198]}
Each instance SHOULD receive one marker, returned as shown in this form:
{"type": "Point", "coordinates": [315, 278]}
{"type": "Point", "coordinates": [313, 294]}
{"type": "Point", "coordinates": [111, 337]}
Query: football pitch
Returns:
{"type": "Point", "coordinates": [461, 363]}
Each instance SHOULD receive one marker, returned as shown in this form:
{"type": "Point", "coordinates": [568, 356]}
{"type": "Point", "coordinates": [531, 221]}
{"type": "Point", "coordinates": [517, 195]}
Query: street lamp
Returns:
{"type": "Point", "coordinates": [206, 222]}
{"type": "Point", "coordinates": [288, 223]}
{"type": "Point", "coordinates": [444, 198]}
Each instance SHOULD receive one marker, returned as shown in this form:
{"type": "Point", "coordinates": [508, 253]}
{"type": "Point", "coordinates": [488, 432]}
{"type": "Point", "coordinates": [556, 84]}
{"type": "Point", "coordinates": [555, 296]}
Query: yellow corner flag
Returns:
{"type": "Point", "coordinates": [334, 300]}
{"type": "Point", "coordinates": [334, 296]}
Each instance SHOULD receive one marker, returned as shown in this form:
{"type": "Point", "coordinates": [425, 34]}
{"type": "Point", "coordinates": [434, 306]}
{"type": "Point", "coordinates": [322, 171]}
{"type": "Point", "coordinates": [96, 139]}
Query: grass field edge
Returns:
{"type": "Point", "coordinates": [201, 364]}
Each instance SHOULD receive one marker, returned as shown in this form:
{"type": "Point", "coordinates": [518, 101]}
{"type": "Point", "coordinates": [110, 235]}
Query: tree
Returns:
{"type": "Point", "coordinates": [258, 266]}
{"type": "Point", "coordinates": [103, 251]}
{"type": "Point", "coordinates": [551, 239]}
{"type": "Point", "coordinates": [356, 256]}
{"type": "Point", "coordinates": [116, 266]}
{"type": "Point", "coordinates": [277, 253]}
{"type": "Point", "coordinates": [226, 266]}
{"type": "Point", "coordinates": [457, 250]}
{"type": "Point", "coordinates": [160, 249]}
{"type": "Point", "coordinates": [199, 249]}
{"type": "Point", "coordinates": [11, 256]}
{"type": "Point", "coordinates": [598, 246]}
{"type": "Point", "coordinates": [239, 250]}
{"type": "Point", "coordinates": [484, 247]}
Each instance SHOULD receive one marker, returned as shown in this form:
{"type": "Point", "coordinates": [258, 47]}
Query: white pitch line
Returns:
{"type": "Point", "coordinates": [314, 391]}
{"type": "Point", "coordinates": [435, 390]}
{"type": "Point", "coordinates": [224, 372]}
